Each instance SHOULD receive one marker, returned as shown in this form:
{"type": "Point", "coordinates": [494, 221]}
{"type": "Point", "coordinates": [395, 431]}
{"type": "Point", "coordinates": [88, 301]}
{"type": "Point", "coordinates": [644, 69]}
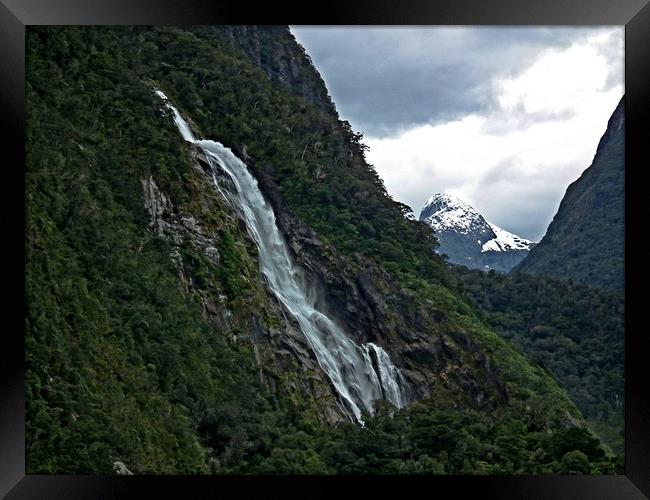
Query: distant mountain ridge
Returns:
{"type": "Point", "coordinates": [467, 238]}
{"type": "Point", "coordinates": [586, 239]}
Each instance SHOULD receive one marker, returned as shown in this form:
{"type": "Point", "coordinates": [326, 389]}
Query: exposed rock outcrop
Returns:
{"type": "Point", "coordinates": [157, 204]}
{"type": "Point", "coordinates": [121, 469]}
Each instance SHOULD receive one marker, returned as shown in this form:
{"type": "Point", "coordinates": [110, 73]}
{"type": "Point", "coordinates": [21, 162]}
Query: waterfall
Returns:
{"type": "Point", "coordinates": [349, 366]}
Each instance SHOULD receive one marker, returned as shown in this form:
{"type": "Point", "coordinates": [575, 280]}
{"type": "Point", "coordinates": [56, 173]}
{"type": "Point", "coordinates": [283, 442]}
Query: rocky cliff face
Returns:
{"type": "Point", "coordinates": [586, 239]}
{"type": "Point", "coordinates": [468, 239]}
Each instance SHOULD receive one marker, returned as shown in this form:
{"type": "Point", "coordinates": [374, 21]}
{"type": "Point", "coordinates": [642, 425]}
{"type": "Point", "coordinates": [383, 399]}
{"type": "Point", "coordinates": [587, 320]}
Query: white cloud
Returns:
{"type": "Point", "coordinates": [515, 161]}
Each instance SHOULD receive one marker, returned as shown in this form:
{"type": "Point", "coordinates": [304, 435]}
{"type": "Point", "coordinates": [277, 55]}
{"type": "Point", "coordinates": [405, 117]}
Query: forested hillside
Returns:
{"type": "Point", "coordinates": [152, 342]}
{"type": "Point", "coordinates": [575, 332]}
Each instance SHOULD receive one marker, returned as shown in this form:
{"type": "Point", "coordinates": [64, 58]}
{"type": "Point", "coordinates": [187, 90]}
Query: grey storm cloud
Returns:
{"type": "Point", "coordinates": [388, 79]}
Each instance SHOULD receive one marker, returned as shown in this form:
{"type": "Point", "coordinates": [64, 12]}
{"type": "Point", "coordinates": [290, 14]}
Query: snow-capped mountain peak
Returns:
{"type": "Point", "coordinates": [445, 211]}
{"type": "Point", "coordinates": [448, 200]}
{"type": "Point", "coordinates": [468, 238]}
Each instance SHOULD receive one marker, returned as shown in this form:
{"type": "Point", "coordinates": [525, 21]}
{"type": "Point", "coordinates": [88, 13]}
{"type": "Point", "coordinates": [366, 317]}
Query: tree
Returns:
{"type": "Point", "coordinates": [575, 462]}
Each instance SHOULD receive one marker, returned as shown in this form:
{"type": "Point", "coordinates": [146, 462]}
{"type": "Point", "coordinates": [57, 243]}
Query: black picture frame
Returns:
{"type": "Point", "coordinates": [16, 14]}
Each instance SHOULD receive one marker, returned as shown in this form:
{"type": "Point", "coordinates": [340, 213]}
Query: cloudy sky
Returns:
{"type": "Point", "coordinates": [504, 118]}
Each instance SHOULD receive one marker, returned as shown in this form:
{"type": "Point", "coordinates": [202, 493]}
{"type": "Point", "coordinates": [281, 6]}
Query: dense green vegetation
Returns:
{"type": "Point", "coordinates": [586, 239]}
{"type": "Point", "coordinates": [123, 363]}
{"type": "Point", "coordinates": [574, 331]}
{"type": "Point", "coordinates": [423, 440]}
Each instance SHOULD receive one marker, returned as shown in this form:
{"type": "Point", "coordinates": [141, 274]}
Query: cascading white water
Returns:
{"type": "Point", "coordinates": [349, 366]}
{"type": "Point", "coordinates": [390, 377]}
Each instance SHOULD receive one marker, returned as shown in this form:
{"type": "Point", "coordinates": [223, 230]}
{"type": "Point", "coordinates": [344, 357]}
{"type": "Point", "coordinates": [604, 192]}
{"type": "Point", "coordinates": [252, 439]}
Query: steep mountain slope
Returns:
{"type": "Point", "coordinates": [153, 341]}
{"type": "Point", "coordinates": [468, 239]}
{"type": "Point", "coordinates": [269, 48]}
{"type": "Point", "coordinates": [586, 239]}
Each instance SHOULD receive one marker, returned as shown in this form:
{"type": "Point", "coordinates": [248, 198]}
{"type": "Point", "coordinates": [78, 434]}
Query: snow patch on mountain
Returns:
{"type": "Point", "coordinates": [505, 241]}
